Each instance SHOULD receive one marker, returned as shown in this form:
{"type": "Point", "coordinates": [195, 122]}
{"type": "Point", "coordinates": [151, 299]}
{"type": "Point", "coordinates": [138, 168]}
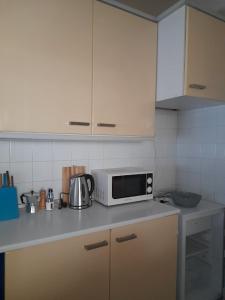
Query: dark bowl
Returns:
{"type": "Point", "coordinates": [185, 199]}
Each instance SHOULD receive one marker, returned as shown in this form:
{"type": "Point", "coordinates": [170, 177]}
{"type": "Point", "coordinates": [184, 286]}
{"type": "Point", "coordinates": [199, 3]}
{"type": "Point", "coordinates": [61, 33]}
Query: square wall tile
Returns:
{"type": "Point", "coordinates": [42, 171]}
{"type": "Point", "coordinates": [21, 151]}
{"type": "Point", "coordinates": [95, 150]}
{"type": "Point", "coordinates": [42, 151]}
{"type": "Point", "coordinates": [62, 150]}
{"type": "Point", "coordinates": [4, 151]}
{"type": "Point", "coordinates": [22, 172]}
{"type": "Point", "coordinates": [80, 150]}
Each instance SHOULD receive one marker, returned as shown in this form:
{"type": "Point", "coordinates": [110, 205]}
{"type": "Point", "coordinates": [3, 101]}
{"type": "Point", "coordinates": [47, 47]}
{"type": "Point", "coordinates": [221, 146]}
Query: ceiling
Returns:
{"type": "Point", "coordinates": [151, 7]}
{"type": "Point", "coordinates": [156, 9]}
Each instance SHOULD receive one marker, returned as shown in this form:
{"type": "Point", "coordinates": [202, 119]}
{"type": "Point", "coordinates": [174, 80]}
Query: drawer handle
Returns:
{"type": "Point", "coordinates": [126, 238]}
{"type": "Point", "coordinates": [72, 123]}
{"type": "Point", "coordinates": [197, 86]}
{"type": "Point", "coordinates": [106, 125]}
{"type": "Point", "coordinates": [96, 245]}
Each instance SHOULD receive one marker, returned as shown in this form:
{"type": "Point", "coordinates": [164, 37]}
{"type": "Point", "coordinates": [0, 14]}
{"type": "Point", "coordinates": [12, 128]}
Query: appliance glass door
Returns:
{"type": "Point", "coordinates": [128, 186]}
{"type": "Point", "coordinates": [204, 251]}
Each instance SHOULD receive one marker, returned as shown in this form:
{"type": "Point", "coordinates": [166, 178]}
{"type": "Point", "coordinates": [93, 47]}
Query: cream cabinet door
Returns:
{"type": "Point", "coordinates": [71, 269]}
{"type": "Point", "coordinates": [143, 260]}
{"type": "Point", "coordinates": [205, 50]}
{"type": "Point", "coordinates": [124, 72]}
{"type": "Point", "coordinates": [46, 65]}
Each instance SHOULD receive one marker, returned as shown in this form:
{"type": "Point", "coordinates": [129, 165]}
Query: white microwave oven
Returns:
{"type": "Point", "coordinates": [119, 186]}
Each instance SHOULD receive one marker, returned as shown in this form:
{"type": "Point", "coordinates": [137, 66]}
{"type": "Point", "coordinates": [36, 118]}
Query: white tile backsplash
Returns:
{"type": "Point", "coordinates": [201, 152]}
{"type": "Point", "coordinates": [42, 151]}
{"type": "Point", "coordinates": [42, 171]}
{"type": "Point", "coordinates": [62, 150]}
{"type": "Point", "coordinates": [38, 164]}
{"type": "Point", "coordinates": [21, 151]}
{"type": "Point", "coordinates": [4, 151]}
{"type": "Point", "coordinates": [22, 172]}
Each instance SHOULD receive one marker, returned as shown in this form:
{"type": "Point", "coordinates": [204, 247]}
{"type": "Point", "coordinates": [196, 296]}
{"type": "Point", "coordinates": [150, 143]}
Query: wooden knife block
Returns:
{"type": "Point", "coordinates": [67, 173]}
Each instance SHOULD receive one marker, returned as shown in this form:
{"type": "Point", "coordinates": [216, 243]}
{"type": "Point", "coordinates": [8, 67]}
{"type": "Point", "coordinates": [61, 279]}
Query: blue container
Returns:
{"type": "Point", "coordinates": [8, 204]}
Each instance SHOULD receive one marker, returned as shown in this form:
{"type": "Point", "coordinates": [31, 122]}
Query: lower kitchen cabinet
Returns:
{"type": "Point", "coordinates": [75, 268]}
{"type": "Point", "coordinates": [138, 263]}
{"type": "Point", "coordinates": [143, 260]}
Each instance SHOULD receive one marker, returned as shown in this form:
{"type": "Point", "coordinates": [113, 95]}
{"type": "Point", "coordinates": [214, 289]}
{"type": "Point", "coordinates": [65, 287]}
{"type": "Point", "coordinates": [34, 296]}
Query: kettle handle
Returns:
{"type": "Point", "coordinates": [91, 178]}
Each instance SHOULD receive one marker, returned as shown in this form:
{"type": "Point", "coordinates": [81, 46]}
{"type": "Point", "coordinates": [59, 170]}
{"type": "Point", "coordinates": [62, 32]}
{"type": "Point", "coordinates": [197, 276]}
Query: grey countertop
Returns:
{"type": "Point", "coordinates": [47, 226]}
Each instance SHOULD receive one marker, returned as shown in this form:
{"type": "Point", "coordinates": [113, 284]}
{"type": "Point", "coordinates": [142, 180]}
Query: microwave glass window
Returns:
{"type": "Point", "coordinates": [128, 186]}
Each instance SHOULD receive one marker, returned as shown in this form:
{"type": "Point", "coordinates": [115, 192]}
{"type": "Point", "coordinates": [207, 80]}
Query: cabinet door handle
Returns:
{"type": "Point", "coordinates": [96, 245]}
{"type": "Point", "coordinates": [106, 125]}
{"type": "Point", "coordinates": [197, 86]}
{"type": "Point", "coordinates": [73, 123]}
{"type": "Point", "coordinates": [126, 238]}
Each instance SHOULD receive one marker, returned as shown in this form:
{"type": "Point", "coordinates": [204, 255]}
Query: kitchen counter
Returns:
{"type": "Point", "coordinates": [48, 226]}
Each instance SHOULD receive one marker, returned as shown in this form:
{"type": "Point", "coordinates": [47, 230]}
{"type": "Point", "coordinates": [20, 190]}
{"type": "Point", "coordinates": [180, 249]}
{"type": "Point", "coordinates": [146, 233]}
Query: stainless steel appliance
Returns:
{"type": "Point", "coordinates": [81, 189]}
{"type": "Point", "coordinates": [118, 186]}
{"type": "Point", "coordinates": [31, 201]}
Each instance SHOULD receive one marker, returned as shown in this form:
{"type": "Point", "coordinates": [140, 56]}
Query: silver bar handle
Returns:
{"type": "Point", "coordinates": [106, 125]}
{"type": "Point", "coordinates": [197, 86]}
{"type": "Point", "coordinates": [73, 123]}
{"type": "Point", "coordinates": [96, 245]}
{"type": "Point", "coordinates": [126, 238]}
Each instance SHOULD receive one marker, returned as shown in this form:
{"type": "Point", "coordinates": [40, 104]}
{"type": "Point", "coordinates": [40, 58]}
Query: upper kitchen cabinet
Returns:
{"type": "Point", "coordinates": [124, 72]}
{"type": "Point", "coordinates": [191, 64]}
{"type": "Point", "coordinates": [46, 65]}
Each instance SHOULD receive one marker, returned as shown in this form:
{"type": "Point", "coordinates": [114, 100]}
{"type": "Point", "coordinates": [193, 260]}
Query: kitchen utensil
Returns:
{"type": "Point", "coordinates": [50, 200]}
{"type": "Point", "coordinates": [0, 180]}
{"type": "Point", "coordinates": [62, 204]}
{"type": "Point", "coordinates": [185, 199]}
{"type": "Point", "coordinates": [66, 174]}
{"type": "Point", "coordinates": [5, 183]}
{"type": "Point", "coordinates": [42, 199]}
{"type": "Point", "coordinates": [7, 178]}
{"type": "Point", "coordinates": [81, 189]}
{"type": "Point", "coordinates": [12, 181]}
{"type": "Point", "coordinates": [31, 200]}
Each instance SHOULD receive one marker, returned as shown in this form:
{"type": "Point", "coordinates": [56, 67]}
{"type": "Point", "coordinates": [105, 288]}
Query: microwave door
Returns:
{"type": "Point", "coordinates": [128, 186]}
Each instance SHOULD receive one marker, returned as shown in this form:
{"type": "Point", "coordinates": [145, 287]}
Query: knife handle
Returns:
{"type": "Point", "coordinates": [12, 181]}
{"type": "Point", "coordinates": [4, 180]}
{"type": "Point", "coordinates": [8, 178]}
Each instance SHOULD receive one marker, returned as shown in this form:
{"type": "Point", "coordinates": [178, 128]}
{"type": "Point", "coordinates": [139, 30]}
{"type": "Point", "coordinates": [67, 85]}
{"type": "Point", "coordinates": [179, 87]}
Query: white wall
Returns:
{"type": "Point", "coordinates": [201, 152]}
{"type": "Point", "coordinates": [37, 164]}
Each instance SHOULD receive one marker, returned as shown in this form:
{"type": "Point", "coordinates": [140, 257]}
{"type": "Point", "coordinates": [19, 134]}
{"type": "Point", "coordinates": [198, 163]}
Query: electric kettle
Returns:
{"type": "Point", "coordinates": [81, 189]}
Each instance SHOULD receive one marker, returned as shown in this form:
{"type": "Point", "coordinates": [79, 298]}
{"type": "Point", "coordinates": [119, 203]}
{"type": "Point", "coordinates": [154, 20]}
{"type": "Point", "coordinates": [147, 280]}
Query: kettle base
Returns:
{"type": "Point", "coordinates": [80, 206]}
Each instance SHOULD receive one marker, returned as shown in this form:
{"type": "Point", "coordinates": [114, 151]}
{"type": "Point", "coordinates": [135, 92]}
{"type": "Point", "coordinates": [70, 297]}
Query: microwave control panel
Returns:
{"type": "Point", "coordinates": [149, 183]}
